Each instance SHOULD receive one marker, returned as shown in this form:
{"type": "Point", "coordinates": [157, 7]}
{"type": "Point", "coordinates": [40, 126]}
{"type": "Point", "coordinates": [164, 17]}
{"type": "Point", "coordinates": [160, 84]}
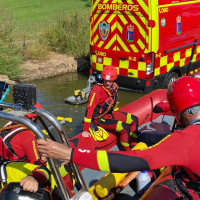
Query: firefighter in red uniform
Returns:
{"type": "Point", "coordinates": [17, 143]}
{"type": "Point", "coordinates": [102, 100]}
{"type": "Point", "coordinates": [179, 149]}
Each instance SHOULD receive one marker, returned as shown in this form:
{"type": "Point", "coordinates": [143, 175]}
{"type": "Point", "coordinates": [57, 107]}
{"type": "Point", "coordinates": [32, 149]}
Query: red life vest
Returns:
{"type": "Point", "coordinates": [6, 136]}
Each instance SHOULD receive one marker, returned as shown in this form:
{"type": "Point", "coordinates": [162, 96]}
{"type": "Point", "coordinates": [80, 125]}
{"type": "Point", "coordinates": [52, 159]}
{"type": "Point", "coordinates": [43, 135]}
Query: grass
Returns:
{"type": "Point", "coordinates": [29, 29]}
{"type": "Point", "coordinates": [32, 15]}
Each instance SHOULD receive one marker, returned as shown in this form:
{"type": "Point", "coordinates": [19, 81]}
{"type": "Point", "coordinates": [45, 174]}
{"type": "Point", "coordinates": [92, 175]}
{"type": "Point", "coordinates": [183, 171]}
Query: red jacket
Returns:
{"type": "Point", "coordinates": [97, 99]}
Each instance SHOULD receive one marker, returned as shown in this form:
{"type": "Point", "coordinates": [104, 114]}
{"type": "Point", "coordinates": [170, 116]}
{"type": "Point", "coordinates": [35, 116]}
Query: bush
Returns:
{"type": "Point", "coordinates": [35, 51]}
{"type": "Point", "coordinates": [69, 35]}
{"type": "Point", "coordinates": [10, 58]}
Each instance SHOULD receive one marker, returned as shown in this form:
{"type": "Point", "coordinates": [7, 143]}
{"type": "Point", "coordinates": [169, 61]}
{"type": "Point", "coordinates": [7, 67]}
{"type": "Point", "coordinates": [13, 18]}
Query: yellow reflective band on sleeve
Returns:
{"type": "Point", "coordinates": [63, 171]}
{"type": "Point", "coordinates": [125, 144]}
{"type": "Point", "coordinates": [119, 126]}
{"type": "Point", "coordinates": [102, 159]}
{"type": "Point", "coordinates": [87, 120]}
{"type": "Point", "coordinates": [92, 99]}
{"type": "Point", "coordinates": [45, 172]}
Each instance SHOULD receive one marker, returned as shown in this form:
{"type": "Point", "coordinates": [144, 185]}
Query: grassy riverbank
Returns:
{"type": "Point", "coordinates": [39, 26]}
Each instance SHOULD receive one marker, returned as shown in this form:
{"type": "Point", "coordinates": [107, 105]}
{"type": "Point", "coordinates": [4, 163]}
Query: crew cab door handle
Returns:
{"type": "Point", "coordinates": [123, 58]}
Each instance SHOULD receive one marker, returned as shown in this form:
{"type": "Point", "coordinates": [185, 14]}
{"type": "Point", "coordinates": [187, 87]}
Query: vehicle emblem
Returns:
{"type": "Point", "coordinates": [130, 33]}
{"type": "Point", "coordinates": [178, 25]}
{"type": "Point", "coordinates": [104, 30]}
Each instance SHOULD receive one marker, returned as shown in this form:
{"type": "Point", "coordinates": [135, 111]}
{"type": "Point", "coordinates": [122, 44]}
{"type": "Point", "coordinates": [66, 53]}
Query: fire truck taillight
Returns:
{"type": "Point", "coordinates": [150, 65]}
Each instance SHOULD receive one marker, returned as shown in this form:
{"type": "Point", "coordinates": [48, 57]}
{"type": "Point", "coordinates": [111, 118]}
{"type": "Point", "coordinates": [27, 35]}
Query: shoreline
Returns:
{"type": "Point", "coordinates": [57, 64]}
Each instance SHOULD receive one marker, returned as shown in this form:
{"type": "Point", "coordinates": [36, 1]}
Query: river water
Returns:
{"type": "Point", "coordinates": [51, 93]}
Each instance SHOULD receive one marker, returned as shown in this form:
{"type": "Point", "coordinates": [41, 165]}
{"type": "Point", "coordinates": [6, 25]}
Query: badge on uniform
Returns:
{"type": "Point", "coordinates": [130, 33]}
{"type": "Point", "coordinates": [178, 25]}
{"type": "Point", "coordinates": [104, 30]}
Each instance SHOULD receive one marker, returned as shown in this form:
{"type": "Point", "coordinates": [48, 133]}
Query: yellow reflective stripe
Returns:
{"type": "Point", "coordinates": [87, 120]}
{"type": "Point", "coordinates": [110, 42]}
{"type": "Point", "coordinates": [129, 119]}
{"type": "Point", "coordinates": [63, 171]}
{"type": "Point", "coordinates": [133, 135]}
{"type": "Point", "coordinates": [125, 144]}
{"type": "Point", "coordinates": [153, 15]}
{"type": "Point", "coordinates": [92, 98]}
{"type": "Point", "coordinates": [140, 43]}
{"type": "Point", "coordinates": [102, 159]}
{"type": "Point", "coordinates": [45, 172]}
{"type": "Point", "coordinates": [119, 126]}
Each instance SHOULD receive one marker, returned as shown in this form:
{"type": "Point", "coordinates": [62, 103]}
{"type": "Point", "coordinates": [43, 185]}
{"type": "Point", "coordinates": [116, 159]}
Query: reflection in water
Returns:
{"type": "Point", "coordinates": [52, 91]}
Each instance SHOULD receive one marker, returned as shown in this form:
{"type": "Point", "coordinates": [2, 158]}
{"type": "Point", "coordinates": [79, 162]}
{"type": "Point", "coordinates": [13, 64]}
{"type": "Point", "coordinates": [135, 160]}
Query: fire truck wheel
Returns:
{"type": "Point", "coordinates": [170, 78]}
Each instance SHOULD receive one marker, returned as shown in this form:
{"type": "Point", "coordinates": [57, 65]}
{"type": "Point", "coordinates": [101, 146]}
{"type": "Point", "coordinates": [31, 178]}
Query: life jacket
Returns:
{"type": "Point", "coordinates": [108, 104]}
{"type": "Point", "coordinates": [6, 135]}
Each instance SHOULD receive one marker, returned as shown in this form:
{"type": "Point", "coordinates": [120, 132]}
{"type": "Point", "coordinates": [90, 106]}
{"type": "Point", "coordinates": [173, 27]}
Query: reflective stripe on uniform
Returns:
{"type": "Point", "coordinates": [92, 99]}
{"type": "Point", "coordinates": [44, 171]}
{"type": "Point", "coordinates": [87, 120]}
{"type": "Point", "coordinates": [125, 144]}
{"type": "Point", "coordinates": [129, 119]}
{"type": "Point", "coordinates": [119, 126]}
{"type": "Point", "coordinates": [62, 171]}
{"type": "Point", "coordinates": [102, 159]}
{"type": "Point", "coordinates": [133, 135]}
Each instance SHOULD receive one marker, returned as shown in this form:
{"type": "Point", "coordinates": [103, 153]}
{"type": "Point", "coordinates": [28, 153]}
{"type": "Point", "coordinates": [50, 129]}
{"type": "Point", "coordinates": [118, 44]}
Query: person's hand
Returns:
{"type": "Point", "coordinates": [29, 184]}
{"type": "Point", "coordinates": [51, 149]}
{"type": "Point", "coordinates": [86, 134]}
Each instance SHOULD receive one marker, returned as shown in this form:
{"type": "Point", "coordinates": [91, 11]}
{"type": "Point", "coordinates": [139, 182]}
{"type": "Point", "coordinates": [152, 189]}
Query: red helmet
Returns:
{"type": "Point", "coordinates": [109, 73]}
{"type": "Point", "coordinates": [182, 94]}
{"type": "Point", "coordinates": [31, 115]}
{"type": "Point", "coordinates": [197, 75]}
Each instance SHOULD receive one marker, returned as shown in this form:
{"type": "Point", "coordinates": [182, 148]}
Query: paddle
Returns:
{"type": "Point", "coordinates": [129, 177]}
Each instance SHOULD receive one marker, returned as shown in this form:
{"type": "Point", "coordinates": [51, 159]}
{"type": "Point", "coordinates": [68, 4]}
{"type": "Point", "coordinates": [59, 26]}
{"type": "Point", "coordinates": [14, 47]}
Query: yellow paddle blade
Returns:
{"type": "Point", "coordinates": [100, 135]}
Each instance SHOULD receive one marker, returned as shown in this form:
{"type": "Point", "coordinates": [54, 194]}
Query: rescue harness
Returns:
{"type": "Point", "coordinates": [109, 103]}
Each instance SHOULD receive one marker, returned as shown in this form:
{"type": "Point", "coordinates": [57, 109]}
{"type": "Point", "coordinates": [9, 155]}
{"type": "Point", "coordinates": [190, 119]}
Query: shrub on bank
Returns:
{"type": "Point", "coordinates": [70, 35]}
{"type": "Point", "coordinates": [10, 58]}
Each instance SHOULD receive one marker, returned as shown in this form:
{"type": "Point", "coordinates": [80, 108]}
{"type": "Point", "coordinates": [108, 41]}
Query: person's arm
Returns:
{"type": "Point", "coordinates": [172, 150]}
{"type": "Point", "coordinates": [92, 103]}
{"type": "Point", "coordinates": [29, 146]}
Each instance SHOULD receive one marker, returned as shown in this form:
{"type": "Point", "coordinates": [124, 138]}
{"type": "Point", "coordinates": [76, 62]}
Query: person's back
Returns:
{"type": "Point", "coordinates": [18, 143]}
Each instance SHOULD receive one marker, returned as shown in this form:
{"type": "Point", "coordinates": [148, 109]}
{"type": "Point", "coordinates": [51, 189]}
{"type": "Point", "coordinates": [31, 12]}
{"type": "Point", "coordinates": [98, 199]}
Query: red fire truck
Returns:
{"type": "Point", "coordinates": [148, 41]}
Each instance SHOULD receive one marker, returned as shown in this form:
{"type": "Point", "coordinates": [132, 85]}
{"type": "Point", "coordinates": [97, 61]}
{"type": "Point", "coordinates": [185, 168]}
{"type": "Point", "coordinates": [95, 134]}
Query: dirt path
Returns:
{"type": "Point", "coordinates": [57, 64]}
